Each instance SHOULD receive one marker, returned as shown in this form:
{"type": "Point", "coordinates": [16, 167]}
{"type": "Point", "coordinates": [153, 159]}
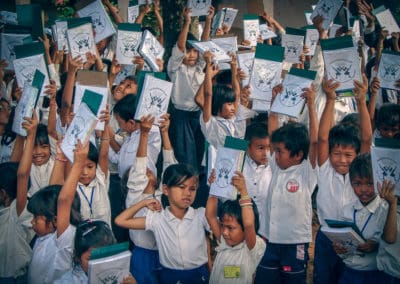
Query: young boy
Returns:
{"type": "Point", "coordinates": [256, 169]}
{"type": "Point", "coordinates": [337, 147]}
{"type": "Point", "coordinates": [288, 208]}
{"type": "Point", "coordinates": [369, 213]}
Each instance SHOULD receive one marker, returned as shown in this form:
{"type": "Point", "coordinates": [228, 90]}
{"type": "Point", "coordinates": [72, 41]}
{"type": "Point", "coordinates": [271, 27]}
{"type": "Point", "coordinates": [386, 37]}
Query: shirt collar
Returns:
{"type": "Point", "coordinates": [371, 207]}
{"type": "Point", "coordinates": [223, 246]}
{"type": "Point", "coordinates": [189, 214]}
{"type": "Point", "coordinates": [253, 164]}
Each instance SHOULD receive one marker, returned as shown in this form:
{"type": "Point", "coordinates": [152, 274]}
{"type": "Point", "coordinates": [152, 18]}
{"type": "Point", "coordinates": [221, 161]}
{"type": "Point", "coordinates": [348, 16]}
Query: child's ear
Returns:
{"type": "Point", "coordinates": [165, 189]}
{"type": "Point", "coordinates": [299, 156]}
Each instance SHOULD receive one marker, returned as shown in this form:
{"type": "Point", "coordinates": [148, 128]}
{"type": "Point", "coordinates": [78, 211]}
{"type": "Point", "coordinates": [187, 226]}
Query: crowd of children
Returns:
{"type": "Point", "coordinates": [145, 181]}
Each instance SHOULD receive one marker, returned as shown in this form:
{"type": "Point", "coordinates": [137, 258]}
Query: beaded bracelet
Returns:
{"type": "Point", "coordinates": [61, 159]}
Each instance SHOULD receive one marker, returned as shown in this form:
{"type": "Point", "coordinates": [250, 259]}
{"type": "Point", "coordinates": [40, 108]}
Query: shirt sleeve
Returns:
{"type": "Point", "coordinates": [258, 251]}
{"type": "Point", "coordinates": [137, 181]}
{"type": "Point", "coordinates": [175, 60]}
{"type": "Point", "coordinates": [151, 220]}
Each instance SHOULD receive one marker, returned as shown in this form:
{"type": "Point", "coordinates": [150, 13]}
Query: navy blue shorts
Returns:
{"type": "Point", "coordinates": [353, 276]}
{"type": "Point", "coordinates": [145, 265]}
{"type": "Point", "coordinates": [198, 275]}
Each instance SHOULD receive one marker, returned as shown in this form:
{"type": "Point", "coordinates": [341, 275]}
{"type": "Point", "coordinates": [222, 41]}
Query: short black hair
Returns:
{"type": "Point", "coordinates": [8, 178]}
{"type": "Point", "coordinates": [256, 130]}
{"type": "Point", "coordinates": [190, 37]}
{"type": "Point", "coordinates": [176, 174]}
{"type": "Point", "coordinates": [126, 107]}
{"type": "Point", "coordinates": [361, 167]}
{"type": "Point", "coordinates": [42, 136]}
{"type": "Point", "coordinates": [389, 115]}
{"type": "Point", "coordinates": [93, 153]}
{"type": "Point", "coordinates": [221, 94]}
{"type": "Point", "coordinates": [344, 135]}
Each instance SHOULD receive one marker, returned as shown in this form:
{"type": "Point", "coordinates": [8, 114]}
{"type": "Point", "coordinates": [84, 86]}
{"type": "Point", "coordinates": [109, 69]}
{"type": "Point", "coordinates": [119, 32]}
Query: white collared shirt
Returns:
{"type": "Point", "coordinates": [5, 151]}
{"type": "Point", "coordinates": [334, 193]}
{"type": "Point", "coordinates": [257, 184]}
{"type": "Point", "coordinates": [52, 257]}
{"type": "Point", "coordinates": [237, 256]}
{"type": "Point", "coordinates": [370, 220]}
{"type": "Point", "coordinates": [181, 243]}
{"type": "Point", "coordinates": [74, 276]}
{"type": "Point", "coordinates": [40, 176]}
{"type": "Point", "coordinates": [388, 258]}
{"type": "Point", "coordinates": [96, 205]}
{"type": "Point", "coordinates": [15, 235]}
{"type": "Point", "coordinates": [289, 209]}
{"type": "Point", "coordinates": [186, 79]}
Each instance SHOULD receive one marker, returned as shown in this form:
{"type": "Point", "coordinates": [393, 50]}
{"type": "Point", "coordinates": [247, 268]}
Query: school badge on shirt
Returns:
{"type": "Point", "coordinates": [292, 185]}
{"type": "Point", "coordinates": [231, 271]}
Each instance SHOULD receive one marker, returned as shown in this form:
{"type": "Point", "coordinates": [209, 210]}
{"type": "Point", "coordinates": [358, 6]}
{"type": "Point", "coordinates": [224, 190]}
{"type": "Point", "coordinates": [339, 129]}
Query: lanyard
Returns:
{"type": "Point", "coordinates": [90, 202]}
{"type": "Point", "coordinates": [366, 222]}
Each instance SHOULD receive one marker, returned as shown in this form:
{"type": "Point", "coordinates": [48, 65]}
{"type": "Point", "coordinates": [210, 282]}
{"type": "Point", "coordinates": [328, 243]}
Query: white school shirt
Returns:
{"type": "Point", "coordinates": [97, 201]}
{"type": "Point", "coordinates": [52, 257]}
{"type": "Point", "coordinates": [186, 79]}
{"type": "Point", "coordinates": [239, 255]}
{"type": "Point", "coordinates": [40, 176]}
{"type": "Point", "coordinates": [6, 151]}
{"type": "Point", "coordinates": [289, 209]}
{"type": "Point", "coordinates": [181, 243]}
{"type": "Point", "coordinates": [257, 184]}
{"type": "Point", "coordinates": [372, 217]}
{"type": "Point", "coordinates": [74, 276]}
{"type": "Point", "coordinates": [334, 193]}
{"type": "Point", "coordinates": [127, 153]}
{"type": "Point", "coordinates": [15, 236]}
{"type": "Point", "coordinates": [388, 258]}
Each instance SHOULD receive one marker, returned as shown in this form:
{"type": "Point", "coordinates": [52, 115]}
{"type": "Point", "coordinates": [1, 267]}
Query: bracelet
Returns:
{"type": "Point", "coordinates": [243, 201]}
{"type": "Point", "coordinates": [105, 139]}
{"type": "Point", "coordinates": [246, 205]}
{"type": "Point", "coordinates": [61, 159]}
{"type": "Point", "coordinates": [245, 196]}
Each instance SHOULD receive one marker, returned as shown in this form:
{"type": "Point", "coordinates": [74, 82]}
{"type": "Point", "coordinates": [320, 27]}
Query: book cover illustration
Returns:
{"type": "Point", "coordinates": [245, 62]}
{"type": "Point", "coordinates": [293, 45]}
{"type": "Point", "coordinates": [386, 20]}
{"type": "Point", "coordinates": [227, 43]}
{"type": "Point", "coordinates": [81, 41]}
{"type": "Point", "coordinates": [346, 236]}
{"type": "Point", "coordinates": [266, 32]}
{"type": "Point", "coordinates": [264, 77]}
{"type": "Point", "coordinates": [128, 42]}
{"type": "Point", "coordinates": [389, 70]}
{"type": "Point", "coordinates": [133, 13]}
{"type": "Point", "coordinates": [151, 50]}
{"type": "Point", "coordinates": [199, 7]}
{"type": "Point", "coordinates": [311, 40]}
{"type": "Point", "coordinates": [61, 35]}
{"type": "Point", "coordinates": [251, 29]}
{"type": "Point", "coordinates": [8, 43]}
{"type": "Point", "coordinates": [220, 54]}
{"type": "Point", "coordinates": [328, 10]}
{"type": "Point", "coordinates": [229, 17]}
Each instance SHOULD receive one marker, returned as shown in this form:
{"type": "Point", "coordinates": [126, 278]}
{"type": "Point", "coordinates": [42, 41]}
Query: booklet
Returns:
{"type": "Point", "coordinates": [328, 10]}
{"type": "Point", "coordinates": [199, 8]}
{"type": "Point", "coordinates": [127, 70]}
{"type": "Point", "coordinates": [217, 21]}
{"type": "Point", "coordinates": [385, 160]}
{"type": "Point", "coordinates": [60, 36]}
{"type": "Point", "coordinates": [342, 62]}
{"type": "Point", "coordinates": [144, 2]}
{"type": "Point", "coordinates": [229, 16]}
{"type": "Point", "coordinates": [81, 128]}
{"type": "Point", "coordinates": [151, 49]}
{"type": "Point", "coordinates": [109, 264]}
{"type": "Point", "coordinates": [220, 54]}
{"type": "Point", "coordinates": [266, 32]}
{"type": "Point", "coordinates": [27, 102]}
{"type": "Point", "coordinates": [290, 102]}
{"type": "Point", "coordinates": [266, 71]}
{"type": "Point", "coordinates": [251, 29]}
{"type": "Point", "coordinates": [245, 62]}
{"type": "Point", "coordinates": [293, 42]}
{"type": "Point", "coordinates": [133, 11]}
{"type": "Point", "coordinates": [102, 24]}
{"type": "Point", "coordinates": [154, 98]}
{"type": "Point", "coordinates": [311, 39]}
{"type": "Point", "coordinates": [307, 15]}
{"type": "Point", "coordinates": [29, 58]}
{"type": "Point", "coordinates": [129, 37]}
{"type": "Point", "coordinates": [346, 236]}
{"type": "Point", "coordinates": [226, 42]}
{"type": "Point", "coordinates": [386, 20]}
{"type": "Point", "coordinates": [230, 158]}
{"type": "Point", "coordinates": [389, 69]}
{"type": "Point", "coordinates": [80, 37]}
{"type": "Point", "coordinates": [8, 43]}
{"type": "Point", "coordinates": [7, 17]}
{"type": "Point", "coordinates": [142, 75]}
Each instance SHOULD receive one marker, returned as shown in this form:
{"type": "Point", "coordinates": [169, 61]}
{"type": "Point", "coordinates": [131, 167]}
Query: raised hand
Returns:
{"type": "Point", "coordinates": [329, 87]}
{"type": "Point", "coordinates": [146, 122]}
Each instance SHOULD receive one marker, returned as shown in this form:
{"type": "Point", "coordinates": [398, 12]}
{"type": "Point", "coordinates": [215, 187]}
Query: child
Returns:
{"type": "Point", "coordinates": [179, 230]}
{"type": "Point", "coordinates": [369, 213]}
{"type": "Point", "coordinates": [256, 169]}
{"type": "Point", "coordinates": [388, 121]}
{"type": "Point", "coordinates": [240, 249]}
{"type": "Point", "coordinates": [289, 198]}
{"type": "Point", "coordinates": [337, 147]}
{"type": "Point", "coordinates": [7, 137]}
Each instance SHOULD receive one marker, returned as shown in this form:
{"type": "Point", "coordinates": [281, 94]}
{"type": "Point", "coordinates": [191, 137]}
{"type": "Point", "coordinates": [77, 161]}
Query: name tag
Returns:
{"type": "Point", "coordinates": [231, 271]}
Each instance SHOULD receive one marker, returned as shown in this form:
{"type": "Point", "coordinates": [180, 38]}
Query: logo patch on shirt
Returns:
{"type": "Point", "coordinates": [292, 185]}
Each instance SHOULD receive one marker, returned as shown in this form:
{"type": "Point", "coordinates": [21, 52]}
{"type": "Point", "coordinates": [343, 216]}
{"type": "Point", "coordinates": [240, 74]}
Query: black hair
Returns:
{"type": "Point", "coordinates": [294, 136]}
{"type": "Point", "coordinates": [388, 115]}
{"type": "Point", "coordinates": [8, 178]}
{"type": "Point", "coordinates": [256, 130]}
{"type": "Point", "coordinates": [44, 203]}
{"type": "Point", "coordinates": [93, 153]}
{"type": "Point", "coordinates": [352, 119]}
{"type": "Point", "coordinates": [221, 94]}
{"type": "Point", "coordinates": [8, 135]}
{"type": "Point", "coordinates": [191, 37]}
{"type": "Point", "coordinates": [126, 107]}
{"type": "Point", "coordinates": [361, 167]}
{"type": "Point", "coordinates": [91, 234]}
{"type": "Point", "coordinates": [224, 77]}
{"type": "Point", "coordinates": [232, 208]}
{"type": "Point", "coordinates": [42, 137]}
{"type": "Point", "coordinates": [344, 135]}
{"type": "Point", "coordinates": [177, 174]}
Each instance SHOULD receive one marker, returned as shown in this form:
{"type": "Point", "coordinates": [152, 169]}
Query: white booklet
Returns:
{"type": "Point", "coordinates": [311, 40]}
{"type": "Point", "coordinates": [226, 42]}
{"type": "Point", "coordinates": [328, 10]}
{"type": "Point", "coordinates": [293, 42]}
{"type": "Point", "coordinates": [266, 32]}
{"type": "Point", "coordinates": [199, 8]}
{"type": "Point", "coordinates": [229, 17]}
{"type": "Point", "coordinates": [251, 29]}
{"type": "Point", "coordinates": [8, 43]}
{"type": "Point", "coordinates": [219, 53]}
{"type": "Point", "coordinates": [154, 98]}
{"type": "Point", "coordinates": [290, 101]}
{"type": "Point", "coordinates": [385, 160]}
{"type": "Point", "coordinates": [245, 62]}
{"type": "Point", "coordinates": [80, 40]}
{"type": "Point", "coordinates": [133, 13]}
{"type": "Point", "coordinates": [347, 237]}
{"type": "Point", "coordinates": [389, 69]}
{"type": "Point", "coordinates": [151, 50]}
{"type": "Point", "coordinates": [129, 37]}
{"type": "Point", "coordinates": [61, 35]}
{"type": "Point", "coordinates": [127, 70]}
{"type": "Point", "coordinates": [81, 128]}
{"type": "Point", "coordinates": [386, 20]}
{"type": "Point", "coordinates": [102, 24]}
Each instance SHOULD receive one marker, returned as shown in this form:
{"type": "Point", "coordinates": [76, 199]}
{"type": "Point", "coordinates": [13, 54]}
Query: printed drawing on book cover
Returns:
{"type": "Point", "coordinates": [264, 75]}
{"type": "Point", "coordinates": [223, 168]}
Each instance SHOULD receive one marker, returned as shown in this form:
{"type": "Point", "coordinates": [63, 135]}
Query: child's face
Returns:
{"type": "Point", "coordinates": [84, 260]}
{"type": "Point", "coordinates": [191, 57]}
{"type": "Point", "coordinates": [5, 111]}
{"type": "Point", "coordinates": [387, 131]}
{"type": "Point", "coordinates": [364, 189]}
{"type": "Point", "coordinates": [228, 110]}
{"type": "Point", "coordinates": [182, 196]}
{"type": "Point", "coordinates": [124, 88]}
{"type": "Point", "coordinates": [41, 226]}
{"type": "Point", "coordinates": [231, 230]}
{"type": "Point", "coordinates": [341, 157]}
{"type": "Point", "coordinates": [283, 158]}
{"type": "Point", "coordinates": [127, 126]}
{"type": "Point", "coordinates": [258, 150]}
{"type": "Point", "coordinates": [88, 172]}
{"type": "Point", "coordinates": [41, 154]}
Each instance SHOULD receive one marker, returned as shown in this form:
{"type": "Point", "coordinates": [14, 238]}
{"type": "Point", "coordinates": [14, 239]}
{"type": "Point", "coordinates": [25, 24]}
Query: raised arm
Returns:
{"type": "Point", "coordinates": [127, 220]}
{"type": "Point", "coordinates": [235, 79]}
{"type": "Point", "coordinates": [113, 11]}
{"type": "Point", "coordinates": [211, 211]}
{"type": "Point", "coordinates": [360, 91]}
{"type": "Point", "coordinates": [211, 71]}
{"type": "Point", "coordinates": [181, 43]}
{"type": "Point", "coordinates": [160, 21]}
{"type": "Point", "coordinates": [24, 168]}
{"type": "Point", "coordinates": [374, 88]}
{"type": "Point", "coordinates": [105, 141]}
{"type": "Point", "coordinates": [144, 9]}
{"type": "Point", "coordinates": [309, 95]}
{"type": "Point", "coordinates": [205, 36]}
{"type": "Point", "coordinates": [327, 120]}
{"type": "Point", "coordinates": [273, 117]}
{"type": "Point", "coordinates": [386, 191]}
{"type": "Point", "coordinates": [59, 168]}
{"type": "Point", "coordinates": [73, 66]}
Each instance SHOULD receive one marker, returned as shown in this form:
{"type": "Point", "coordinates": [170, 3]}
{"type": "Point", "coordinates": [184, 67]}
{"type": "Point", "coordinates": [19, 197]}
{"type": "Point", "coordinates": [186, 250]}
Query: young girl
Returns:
{"type": "Point", "coordinates": [240, 250]}
{"type": "Point", "coordinates": [7, 137]}
{"type": "Point", "coordinates": [89, 235]}
{"type": "Point", "coordinates": [178, 230]}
